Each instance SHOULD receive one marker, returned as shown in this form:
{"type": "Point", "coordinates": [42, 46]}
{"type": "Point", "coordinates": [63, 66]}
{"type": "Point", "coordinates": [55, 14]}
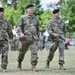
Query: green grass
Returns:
{"type": "Point", "coordinates": [54, 67]}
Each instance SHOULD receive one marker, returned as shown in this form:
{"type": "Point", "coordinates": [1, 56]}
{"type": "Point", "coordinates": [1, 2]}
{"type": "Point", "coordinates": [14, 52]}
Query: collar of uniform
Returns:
{"type": "Point", "coordinates": [30, 16]}
{"type": "Point", "coordinates": [1, 18]}
{"type": "Point", "coordinates": [57, 18]}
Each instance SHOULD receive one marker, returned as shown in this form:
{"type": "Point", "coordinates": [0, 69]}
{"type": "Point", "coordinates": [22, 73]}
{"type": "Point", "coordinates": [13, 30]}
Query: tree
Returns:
{"type": "Point", "coordinates": [8, 3]}
{"type": "Point", "coordinates": [12, 15]}
{"type": "Point", "coordinates": [61, 3]}
{"type": "Point", "coordinates": [68, 13]}
{"type": "Point", "coordinates": [44, 19]}
{"type": "Point", "coordinates": [14, 3]}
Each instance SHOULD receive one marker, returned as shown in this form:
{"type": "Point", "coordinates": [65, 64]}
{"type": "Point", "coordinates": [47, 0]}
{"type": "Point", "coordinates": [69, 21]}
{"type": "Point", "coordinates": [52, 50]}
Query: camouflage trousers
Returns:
{"type": "Point", "coordinates": [33, 48]}
{"type": "Point", "coordinates": [4, 52]}
{"type": "Point", "coordinates": [53, 48]}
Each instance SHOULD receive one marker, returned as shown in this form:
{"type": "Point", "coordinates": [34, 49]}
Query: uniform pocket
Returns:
{"type": "Point", "coordinates": [28, 38]}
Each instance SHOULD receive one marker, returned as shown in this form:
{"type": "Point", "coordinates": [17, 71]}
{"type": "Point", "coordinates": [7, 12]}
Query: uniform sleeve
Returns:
{"type": "Point", "coordinates": [64, 29]}
{"type": "Point", "coordinates": [9, 31]}
{"type": "Point", "coordinates": [50, 27]}
{"type": "Point", "coordinates": [19, 25]}
{"type": "Point", "coordinates": [37, 27]}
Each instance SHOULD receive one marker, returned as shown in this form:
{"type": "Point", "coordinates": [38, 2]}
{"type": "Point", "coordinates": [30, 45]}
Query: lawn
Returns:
{"type": "Point", "coordinates": [54, 67]}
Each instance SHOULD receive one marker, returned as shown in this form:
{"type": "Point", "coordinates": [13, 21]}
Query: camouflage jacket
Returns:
{"type": "Point", "coordinates": [56, 26]}
{"type": "Point", "coordinates": [29, 25]}
{"type": "Point", "coordinates": [5, 30]}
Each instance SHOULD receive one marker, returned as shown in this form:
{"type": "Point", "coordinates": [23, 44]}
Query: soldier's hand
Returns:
{"type": "Point", "coordinates": [56, 35]}
{"type": "Point", "coordinates": [11, 41]}
{"type": "Point", "coordinates": [22, 35]}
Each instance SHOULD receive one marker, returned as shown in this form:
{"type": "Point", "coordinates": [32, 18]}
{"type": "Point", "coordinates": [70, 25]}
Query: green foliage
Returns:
{"type": "Point", "coordinates": [68, 13]}
{"type": "Point", "coordinates": [12, 15]}
{"type": "Point", "coordinates": [44, 19]}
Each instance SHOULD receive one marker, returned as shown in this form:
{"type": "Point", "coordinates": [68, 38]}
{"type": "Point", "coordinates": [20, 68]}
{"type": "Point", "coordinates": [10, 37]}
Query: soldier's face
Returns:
{"type": "Point", "coordinates": [30, 10]}
{"type": "Point", "coordinates": [1, 14]}
{"type": "Point", "coordinates": [56, 15]}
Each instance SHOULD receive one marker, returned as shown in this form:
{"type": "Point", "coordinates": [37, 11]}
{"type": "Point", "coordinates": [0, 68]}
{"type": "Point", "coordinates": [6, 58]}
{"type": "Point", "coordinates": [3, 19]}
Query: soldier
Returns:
{"type": "Point", "coordinates": [5, 34]}
{"type": "Point", "coordinates": [29, 26]}
{"type": "Point", "coordinates": [56, 30]}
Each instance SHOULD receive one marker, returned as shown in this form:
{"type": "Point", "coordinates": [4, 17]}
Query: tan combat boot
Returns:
{"type": "Point", "coordinates": [47, 64]}
{"type": "Point", "coordinates": [4, 70]}
{"type": "Point", "coordinates": [61, 67]}
{"type": "Point", "coordinates": [19, 66]}
{"type": "Point", "coordinates": [34, 68]}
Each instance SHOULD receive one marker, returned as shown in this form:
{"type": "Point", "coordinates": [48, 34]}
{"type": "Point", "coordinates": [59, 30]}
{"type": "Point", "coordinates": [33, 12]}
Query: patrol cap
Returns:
{"type": "Point", "coordinates": [1, 9]}
{"type": "Point", "coordinates": [55, 11]}
{"type": "Point", "coordinates": [29, 5]}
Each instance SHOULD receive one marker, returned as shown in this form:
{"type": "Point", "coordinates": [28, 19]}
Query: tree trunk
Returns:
{"type": "Point", "coordinates": [14, 3]}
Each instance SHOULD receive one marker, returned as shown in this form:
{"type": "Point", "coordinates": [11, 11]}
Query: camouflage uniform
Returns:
{"type": "Point", "coordinates": [5, 34]}
{"type": "Point", "coordinates": [56, 26]}
{"type": "Point", "coordinates": [29, 26]}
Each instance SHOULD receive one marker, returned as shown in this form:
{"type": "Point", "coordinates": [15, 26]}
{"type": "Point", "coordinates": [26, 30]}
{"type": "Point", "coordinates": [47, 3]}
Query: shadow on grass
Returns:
{"type": "Point", "coordinates": [16, 70]}
{"type": "Point", "coordinates": [42, 71]}
{"type": "Point", "coordinates": [56, 70]}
